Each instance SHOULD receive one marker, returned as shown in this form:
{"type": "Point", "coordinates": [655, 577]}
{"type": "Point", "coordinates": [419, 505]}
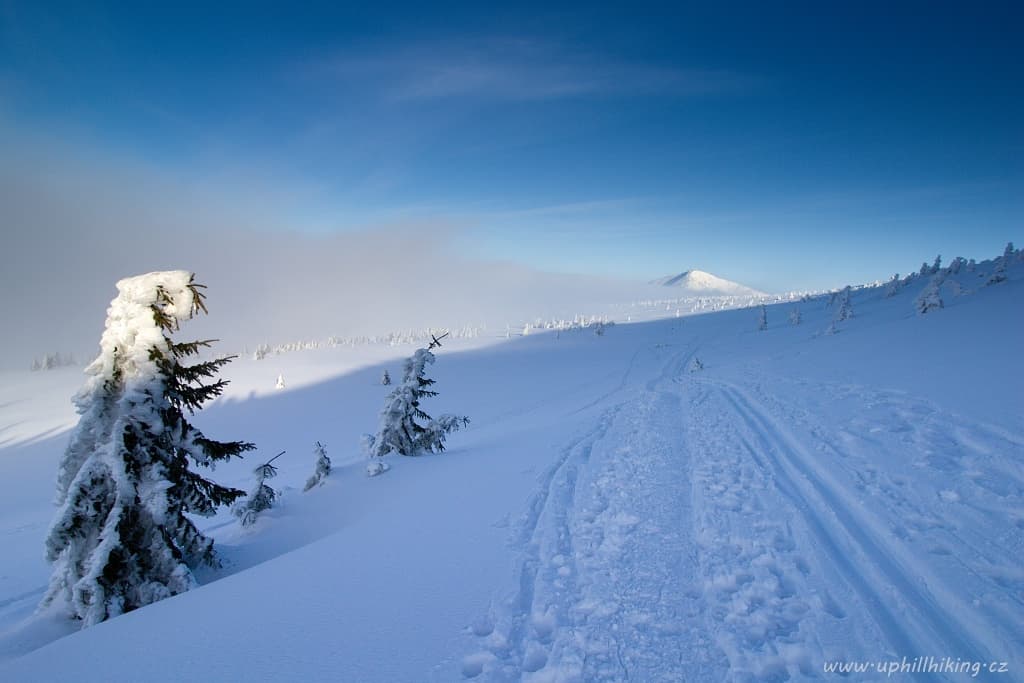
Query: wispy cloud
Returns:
{"type": "Point", "coordinates": [522, 70]}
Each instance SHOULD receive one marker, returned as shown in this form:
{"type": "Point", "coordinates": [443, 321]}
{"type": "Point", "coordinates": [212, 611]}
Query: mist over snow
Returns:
{"type": "Point", "coordinates": [74, 227]}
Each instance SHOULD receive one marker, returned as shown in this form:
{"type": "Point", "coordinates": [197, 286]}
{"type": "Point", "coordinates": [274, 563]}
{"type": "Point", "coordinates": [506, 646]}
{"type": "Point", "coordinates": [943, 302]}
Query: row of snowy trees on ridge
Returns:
{"type": "Point", "coordinates": [127, 485]}
{"type": "Point", "coordinates": [930, 297]}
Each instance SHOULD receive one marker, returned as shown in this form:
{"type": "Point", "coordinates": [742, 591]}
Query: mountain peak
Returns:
{"type": "Point", "coordinates": [702, 283]}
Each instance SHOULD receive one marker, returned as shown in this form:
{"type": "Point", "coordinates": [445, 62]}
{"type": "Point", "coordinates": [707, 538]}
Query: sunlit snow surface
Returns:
{"type": "Point", "coordinates": [610, 514]}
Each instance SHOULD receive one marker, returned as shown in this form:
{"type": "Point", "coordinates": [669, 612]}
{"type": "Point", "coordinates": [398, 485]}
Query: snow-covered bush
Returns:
{"type": "Point", "coordinates": [762, 319]}
{"type": "Point", "coordinates": [385, 379]}
{"type": "Point", "coordinates": [322, 467]}
{"type": "Point", "coordinates": [795, 318]}
{"type": "Point", "coordinates": [261, 497]}
{"type": "Point", "coordinates": [123, 536]}
{"type": "Point", "coordinates": [404, 427]}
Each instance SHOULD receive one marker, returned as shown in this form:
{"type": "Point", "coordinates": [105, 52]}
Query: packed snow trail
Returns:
{"type": "Point", "coordinates": [605, 580]}
{"type": "Point", "coordinates": [692, 534]}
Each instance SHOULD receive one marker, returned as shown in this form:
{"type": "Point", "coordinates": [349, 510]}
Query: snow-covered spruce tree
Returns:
{"type": "Point", "coordinates": [930, 298]}
{"type": "Point", "coordinates": [893, 288]}
{"type": "Point", "coordinates": [845, 305]}
{"type": "Point", "coordinates": [937, 266]}
{"type": "Point", "coordinates": [385, 379]}
{"type": "Point", "coordinates": [795, 318]}
{"type": "Point", "coordinates": [261, 497]}
{"type": "Point", "coordinates": [323, 467]}
{"type": "Point", "coordinates": [999, 274]}
{"type": "Point", "coordinates": [404, 427]}
{"type": "Point", "coordinates": [762, 319]}
{"type": "Point", "coordinates": [122, 538]}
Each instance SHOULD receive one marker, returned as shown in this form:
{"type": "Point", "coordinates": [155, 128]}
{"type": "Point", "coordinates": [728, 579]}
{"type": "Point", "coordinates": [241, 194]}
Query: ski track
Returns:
{"type": "Point", "coordinates": [703, 530]}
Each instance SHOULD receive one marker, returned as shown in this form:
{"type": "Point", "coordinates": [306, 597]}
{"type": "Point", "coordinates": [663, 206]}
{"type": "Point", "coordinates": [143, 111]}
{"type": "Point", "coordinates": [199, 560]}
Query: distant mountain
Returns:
{"type": "Point", "coordinates": [699, 283]}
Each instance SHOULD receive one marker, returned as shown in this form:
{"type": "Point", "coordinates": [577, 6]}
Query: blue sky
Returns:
{"type": "Point", "coordinates": [795, 146]}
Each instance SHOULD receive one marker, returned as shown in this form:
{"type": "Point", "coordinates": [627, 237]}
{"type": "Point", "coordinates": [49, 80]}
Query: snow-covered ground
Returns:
{"type": "Point", "coordinates": [614, 512]}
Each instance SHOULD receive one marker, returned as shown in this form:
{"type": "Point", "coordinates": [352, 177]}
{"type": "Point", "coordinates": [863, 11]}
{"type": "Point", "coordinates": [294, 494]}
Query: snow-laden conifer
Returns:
{"type": "Point", "coordinates": [999, 273]}
{"type": "Point", "coordinates": [762, 319]}
{"type": "Point", "coordinates": [122, 536]}
{"type": "Point", "coordinates": [893, 288]}
{"type": "Point", "coordinates": [261, 497]}
{"type": "Point", "coordinates": [795, 317]}
{"type": "Point", "coordinates": [930, 298]}
{"type": "Point", "coordinates": [404, 427]}
{"type": "Point", "coordinates": [385, 378]}
{"type": "Point", "coordinates": [845, 305]}
{"type": "Point", "coordinates": [322, 467]}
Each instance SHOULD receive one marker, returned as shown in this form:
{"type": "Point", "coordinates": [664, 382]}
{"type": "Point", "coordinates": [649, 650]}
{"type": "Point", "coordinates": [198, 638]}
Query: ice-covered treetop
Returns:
{"type": "Point", "coordinates": [132, 328]}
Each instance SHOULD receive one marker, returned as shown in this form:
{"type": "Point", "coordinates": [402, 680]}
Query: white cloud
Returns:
{"type": "Point", "coordinates": [520, 70]}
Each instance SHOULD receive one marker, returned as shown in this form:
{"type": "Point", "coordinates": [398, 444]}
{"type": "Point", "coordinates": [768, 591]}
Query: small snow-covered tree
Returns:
{"type": "Point", "coordinates": [762, 319]}
{"type": "Point", "coordinates": [845, 306]}
{"type": "Point", "coordinates": [123, 536]}
{"type": "Point", "coordinates": [955, 265]}
{"type": "Point", "coordinates": [279, 384]}
{"type": "Point", "coordinates": [971, 265]}
{"type": "Point", "coordinates": [404, 427]}
{"type": "Point", "coordinates": [1009, 251]}
{"type": "Point", "coordinates": [999, 274]}
{"type": "Point", "coordinates": [323, 467]}
{"type": "Point", "coordinates": [925, 269]}
{"type": "Point", "coordinates": [937, 266]}
{"type": "Point", "coordinates": [893, 288]}
{"type": "Point", "coordinates": [930, 298]}
{"type": "Point", "coordinates": [385, 379]}
{"type": "Point", "coordinates": [795, 318]}
{"type": "Point", "coordinates": [261, 497]}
